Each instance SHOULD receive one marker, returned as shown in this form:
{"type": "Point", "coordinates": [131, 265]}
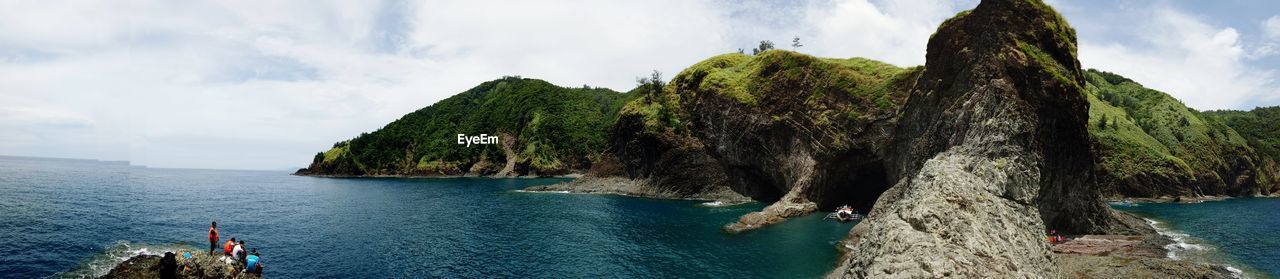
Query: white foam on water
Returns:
{"type": "Point", "coordinates": [1180, 243]}
{"type": "Point", "coordinates": [549, 192]}
{"type": "Point", "coordinates": [102, 263]}
{"type": "Point", "coordinates": [1235, 272]}
{"type": "Point", "coordinates": [713, 203]}
{"type": "Point", "coordinates": [1182, 247]}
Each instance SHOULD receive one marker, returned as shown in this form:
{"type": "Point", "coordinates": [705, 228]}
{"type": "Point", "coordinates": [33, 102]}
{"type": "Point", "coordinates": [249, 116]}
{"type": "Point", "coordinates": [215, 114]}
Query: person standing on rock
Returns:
{"type": "Point", "coordinates": [213, 237]}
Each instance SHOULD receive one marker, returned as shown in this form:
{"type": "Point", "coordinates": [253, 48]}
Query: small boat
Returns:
{"type": "Point", "coordinates": [844, 214]}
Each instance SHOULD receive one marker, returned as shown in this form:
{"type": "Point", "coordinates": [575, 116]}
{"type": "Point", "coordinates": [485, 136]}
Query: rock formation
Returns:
{"type": "Point", "coordinates": [991, 149]}
{"type": "Point", "coordinates": [199, 265]}
{"type": "Point", "coordinates": [647, 159]}
{"type": "Point", "coordinates": [802, 131]}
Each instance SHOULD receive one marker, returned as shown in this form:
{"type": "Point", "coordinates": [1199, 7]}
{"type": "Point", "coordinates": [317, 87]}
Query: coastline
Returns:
{"type": "Point", "coordinates": [125, 259]}
{"type": "Point", "coordinates": [1189, 244]}
{"type": "Point", "coordinates": [574, 175]}
{"type": "Point", "coordinates": [705, 202]}
{"type": "Point", "coordinates": [1152, 256]}
{"type": "Point", "coordinates": [1171, 199]}
{"type": "Point", "coordinates": [1110, 256]}
{"type": "Point", "coordinates": [638, 189]}
{"type": "Point", "coordinates": [1185, 199]}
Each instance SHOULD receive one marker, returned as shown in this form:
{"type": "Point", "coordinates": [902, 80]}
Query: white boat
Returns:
{"type": "Point", "coordinates": [844, 214]}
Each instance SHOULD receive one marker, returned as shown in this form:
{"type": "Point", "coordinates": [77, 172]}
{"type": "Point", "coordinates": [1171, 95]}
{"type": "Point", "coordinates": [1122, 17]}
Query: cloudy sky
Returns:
{"type": "Point", "coordinates": [266, 84]}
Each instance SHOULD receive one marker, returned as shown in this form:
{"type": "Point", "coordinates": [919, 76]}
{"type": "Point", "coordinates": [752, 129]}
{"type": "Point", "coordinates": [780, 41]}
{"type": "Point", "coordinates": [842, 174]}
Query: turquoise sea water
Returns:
{"type": "Point", "coordinates": [71, 218]}
{"type": "Point", "coordinates": [1243, 233]}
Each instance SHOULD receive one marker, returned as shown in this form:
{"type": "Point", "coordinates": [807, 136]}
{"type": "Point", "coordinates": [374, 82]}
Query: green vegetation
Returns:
{"type": "Point", "coordinates": [831, 92]}
{"type": "Point", "coordinates": [765, 45]}
{"type": "Point", "coordinates": [658, 110]}
{"type": "Point", "coordinates": [1057, 25]}
{"type": "Point", "coordinates": [1260, 128]}
{"type": "Point", "coordinates": [1124, 150]}
{"type": "Point", "coordinates": [747, 78]}
{"type": "Point", "coordinates": [1146, 137]}
{"type": "Point", "coordinates": [550, 130]}
{"type": "Point", "coordinates": [959, 16]}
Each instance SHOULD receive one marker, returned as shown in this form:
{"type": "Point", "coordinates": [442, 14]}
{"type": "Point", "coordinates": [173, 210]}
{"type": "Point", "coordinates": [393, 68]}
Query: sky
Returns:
{"type": "Point", "coordinates": [267, 84]}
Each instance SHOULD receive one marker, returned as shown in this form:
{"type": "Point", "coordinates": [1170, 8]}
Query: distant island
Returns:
{"type": "Point", "coordinates": [971, 157]}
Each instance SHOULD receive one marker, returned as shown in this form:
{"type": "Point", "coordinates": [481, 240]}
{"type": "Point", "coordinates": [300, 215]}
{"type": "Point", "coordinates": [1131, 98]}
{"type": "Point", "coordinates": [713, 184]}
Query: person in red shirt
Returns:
{"type": "Point", "coordinates": [213, 237]}
{"type": "Point", "coordinates": [226, 249]}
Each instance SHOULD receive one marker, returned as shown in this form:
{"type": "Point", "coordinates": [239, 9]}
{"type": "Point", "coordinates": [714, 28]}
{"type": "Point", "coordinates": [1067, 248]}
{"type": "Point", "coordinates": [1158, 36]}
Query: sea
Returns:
{"type": "Point", "coordinates": [63, 218]}
{"type": "Point", "coordinates": [1241, 233]}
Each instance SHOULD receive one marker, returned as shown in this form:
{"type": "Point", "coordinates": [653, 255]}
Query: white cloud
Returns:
{"type": "Point", "coordinates": [1271, 27]}
{"type": "Point", "coordinates": [1205, 66]}
{"type": "Point", "coordinates": [896, 32]}
{"type": "Point", "coordinates": [264, 85]}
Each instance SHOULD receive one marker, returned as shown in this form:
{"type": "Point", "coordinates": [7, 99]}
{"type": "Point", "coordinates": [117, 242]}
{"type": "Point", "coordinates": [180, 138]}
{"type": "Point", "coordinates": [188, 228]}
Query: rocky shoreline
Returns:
{"type": "Point", "coordinates": [1175, 199]}
{"type": "Point", "coordinates": [1128, 256]}
{"type": "Point", "coordinates": [1105, 256]}
{"type": "Point", "coordinates": [1185, 199]}
{"type": "Point", "coordinates": [636, 188]}
{"type": "Point", "coordinates": [200, 265]}
{"type": "Point", "coordinates": [569, 175]}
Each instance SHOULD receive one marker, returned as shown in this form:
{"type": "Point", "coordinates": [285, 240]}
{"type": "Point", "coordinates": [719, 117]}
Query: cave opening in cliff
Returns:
{"type": "Point", "coordinates": [858, 186]}
{"type": "Point", "coordinates": [751, 183]}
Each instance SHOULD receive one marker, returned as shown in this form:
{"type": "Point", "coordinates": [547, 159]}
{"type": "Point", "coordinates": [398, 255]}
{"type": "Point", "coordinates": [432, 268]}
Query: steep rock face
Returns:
{"type": "Point", "coordinates": [990, 150]}
{"type": "Point", "coordinates": [666, 160]}
{"type": "Point", "coordinates": [802, 131]}
{"type": "Point", "coordinates": [648, 157]}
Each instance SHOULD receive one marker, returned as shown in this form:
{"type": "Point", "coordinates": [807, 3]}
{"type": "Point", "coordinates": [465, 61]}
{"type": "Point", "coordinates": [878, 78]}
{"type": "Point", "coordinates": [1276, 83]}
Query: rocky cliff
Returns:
{"type": "Point", "coordinates": [649, 155]}
{"type": "Point", "coordinates": [801, 132]}
{"type": "Point", "coordinates": [991, 149]}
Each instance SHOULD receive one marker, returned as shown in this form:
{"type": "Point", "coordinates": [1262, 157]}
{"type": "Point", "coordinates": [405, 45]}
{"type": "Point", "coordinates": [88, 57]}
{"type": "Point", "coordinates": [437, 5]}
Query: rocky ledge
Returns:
{"type": "Point", "coordinates": [200, 265]}
{"type": "Point", "coordinates": [1127, 256]}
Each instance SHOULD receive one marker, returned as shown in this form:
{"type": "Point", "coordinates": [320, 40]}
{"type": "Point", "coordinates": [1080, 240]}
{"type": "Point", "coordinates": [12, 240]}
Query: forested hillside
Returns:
{"type": "Point", "coordinates": [1149, 144]}
{"type": "Point", "coordinates": [543, 129]}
